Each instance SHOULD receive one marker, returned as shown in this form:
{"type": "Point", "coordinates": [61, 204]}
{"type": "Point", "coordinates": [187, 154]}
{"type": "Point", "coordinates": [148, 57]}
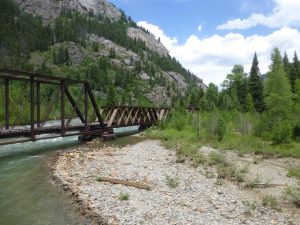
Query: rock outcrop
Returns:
{"type": "Point", "coordinates": [149, 40]}
{"type": "Point", "coordinates": [50, 9]}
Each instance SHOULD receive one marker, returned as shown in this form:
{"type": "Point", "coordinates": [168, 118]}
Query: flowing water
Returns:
{"type": "Point", "coordinates": [28, 196]}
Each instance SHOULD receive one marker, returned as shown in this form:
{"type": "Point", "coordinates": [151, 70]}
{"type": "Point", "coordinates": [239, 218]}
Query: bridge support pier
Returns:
{"type": "Point", "coordinates": [105, 134]}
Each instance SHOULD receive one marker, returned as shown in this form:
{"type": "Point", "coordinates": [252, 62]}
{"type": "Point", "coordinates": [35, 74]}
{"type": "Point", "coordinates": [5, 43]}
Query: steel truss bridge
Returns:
{"type": "Point", "coordinates": [80, 116]}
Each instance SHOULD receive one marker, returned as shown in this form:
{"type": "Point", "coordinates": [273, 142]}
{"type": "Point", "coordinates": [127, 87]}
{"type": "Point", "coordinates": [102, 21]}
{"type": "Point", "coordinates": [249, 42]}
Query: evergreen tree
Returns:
{"type": "Point", "coordinates": [256, 86]}
{"type": "Point", "coordinates": [293, 78]}
{"type": "Point", "coordinates": [290, 71]}
{"type": "Point", "coordinates": [296, 65]}
{"type": "Point", "coordinates": [67, 57]}
{"type": "Point", "coordinates": [296, 110]}
{"type": "Point", "coordinates": [286, 64]}
{"type": "Point", "coordinates": [111, 99]}
{"type": "Point", "coordinates": [278, 98]}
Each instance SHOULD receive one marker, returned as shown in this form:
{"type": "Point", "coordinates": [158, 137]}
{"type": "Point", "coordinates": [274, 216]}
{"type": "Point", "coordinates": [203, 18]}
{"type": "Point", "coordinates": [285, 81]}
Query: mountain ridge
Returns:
{"type": "Point", "coordinates": [102, 44]}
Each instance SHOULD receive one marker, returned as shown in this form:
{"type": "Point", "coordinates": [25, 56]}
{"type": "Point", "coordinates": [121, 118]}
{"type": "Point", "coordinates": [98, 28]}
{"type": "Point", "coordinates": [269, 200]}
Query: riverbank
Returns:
{"type": "Point", "coordinates": [179, 193]}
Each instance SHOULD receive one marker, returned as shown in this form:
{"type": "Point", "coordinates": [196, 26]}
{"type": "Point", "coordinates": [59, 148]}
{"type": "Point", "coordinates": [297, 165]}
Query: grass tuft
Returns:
{"type": "Point", "coordinates": [270, 201]}
{"type": "Point", "coordinates": [172, 182]}
{"type": "Point", "coordinates": [124, 197]}
{"type": "Point", "coordinates": [293, 194]}
{"type": "Point", "coordinates": [249, 206]}
{"type": "Point", "coordinates": [294, 172]}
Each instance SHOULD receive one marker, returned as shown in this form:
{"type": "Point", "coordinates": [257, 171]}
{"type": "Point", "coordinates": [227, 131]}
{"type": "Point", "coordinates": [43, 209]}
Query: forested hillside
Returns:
{"type": "Point", "coordinates": [91, 46]}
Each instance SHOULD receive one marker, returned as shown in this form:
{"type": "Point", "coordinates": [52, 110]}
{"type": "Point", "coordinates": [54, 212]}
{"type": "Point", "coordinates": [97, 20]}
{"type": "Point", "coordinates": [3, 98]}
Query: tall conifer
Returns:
{"type": "Point", "coordinates": [256, 86]}
{"type": "Point", "coordinates": [290, 71]}
{"type": "Point", "coordinates": [278, 98]}
{"type": "Point", "coordinates": [296, 64]}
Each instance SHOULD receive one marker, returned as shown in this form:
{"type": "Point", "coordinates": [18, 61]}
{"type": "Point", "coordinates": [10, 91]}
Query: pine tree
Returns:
{"type": "Point", "coordinates": [278, 98]}
{"type": "Point", "coordinates": [290, 71]}
{"type": "Point", "coordinates": [293, 78]}
{"type": "Point", "coordinates": [256, 86]}
{"type": "Point", "coordinates": [67, 57]}
{"type": "Point", "coordinates": [296, 110]}
{"type": "Point", "coordinates": [111, 99]}
{"type": "Point", "coordinates": [296, 65]}
{"type": "Point", "coordinates": [286, 64]}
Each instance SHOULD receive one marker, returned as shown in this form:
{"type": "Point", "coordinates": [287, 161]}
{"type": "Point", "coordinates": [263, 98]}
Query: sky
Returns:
{"type": "Point", "coordinates": [209, 37]}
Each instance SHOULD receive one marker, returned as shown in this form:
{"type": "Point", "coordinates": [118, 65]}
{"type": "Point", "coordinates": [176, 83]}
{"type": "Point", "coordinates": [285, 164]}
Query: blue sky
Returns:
{"type": "Point", "coordinates": [181, 18]}
{"type": "Point", "coordinates": [231, 31]}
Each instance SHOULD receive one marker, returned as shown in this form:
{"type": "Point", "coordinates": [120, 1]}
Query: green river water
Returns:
{"type": "Point", "coordinates": [28, 196]}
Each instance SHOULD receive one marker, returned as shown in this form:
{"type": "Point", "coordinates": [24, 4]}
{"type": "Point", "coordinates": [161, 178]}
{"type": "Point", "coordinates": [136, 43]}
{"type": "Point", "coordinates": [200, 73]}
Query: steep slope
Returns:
{"type": "Point", "coordinates": [50, 9]}
{"type": "Point", "coordinates": [93, 40]}
{"type": "Point", "coordinates": [149, 39]}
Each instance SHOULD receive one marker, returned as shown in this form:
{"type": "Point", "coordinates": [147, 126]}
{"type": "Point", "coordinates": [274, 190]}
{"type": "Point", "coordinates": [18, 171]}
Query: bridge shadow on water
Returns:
{"type": "Point", "coordinates": [46, 145]}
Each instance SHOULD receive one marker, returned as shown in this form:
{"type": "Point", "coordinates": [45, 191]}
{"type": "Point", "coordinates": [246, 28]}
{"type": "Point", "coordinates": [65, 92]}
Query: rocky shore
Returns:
{"type": "Point", "coordinates": [179, 193]}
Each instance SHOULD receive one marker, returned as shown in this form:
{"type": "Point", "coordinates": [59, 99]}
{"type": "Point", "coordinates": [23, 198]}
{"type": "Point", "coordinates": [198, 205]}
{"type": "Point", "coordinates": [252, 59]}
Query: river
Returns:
{"type": "Point", "coordinates": [28, 196]}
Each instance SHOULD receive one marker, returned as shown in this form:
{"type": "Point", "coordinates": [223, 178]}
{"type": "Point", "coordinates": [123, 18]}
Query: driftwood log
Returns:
{"type": "Point", "coordinates": [265, 185]}
{"type": "Point", "coordinates": [124, 182]}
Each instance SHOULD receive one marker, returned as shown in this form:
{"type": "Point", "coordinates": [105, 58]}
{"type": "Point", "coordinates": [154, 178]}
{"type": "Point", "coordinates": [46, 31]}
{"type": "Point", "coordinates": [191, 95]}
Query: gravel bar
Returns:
{"type": "Point", "coordinates": [180, 194]}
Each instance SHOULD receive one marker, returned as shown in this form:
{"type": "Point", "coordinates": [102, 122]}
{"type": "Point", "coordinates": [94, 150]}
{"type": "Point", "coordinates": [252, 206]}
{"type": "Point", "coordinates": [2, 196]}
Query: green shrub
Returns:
{"type": "Point", "coordinates": [216, 126]}
{"type": "Point", "coordinates": [245, 123]}
{"type": "Point", "coordinates": [178, 120]}
{"type": "Point", "coordinates": [296, 132]}
{"type": "Point", "coordinates": [263, 127]}
{"type": "Point", "coordinates": [281, 132]}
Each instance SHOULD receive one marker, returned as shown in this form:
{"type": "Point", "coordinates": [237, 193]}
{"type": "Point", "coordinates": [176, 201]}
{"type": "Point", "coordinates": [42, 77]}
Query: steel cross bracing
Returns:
{"type": "Point", "coordinates": [91, 121]}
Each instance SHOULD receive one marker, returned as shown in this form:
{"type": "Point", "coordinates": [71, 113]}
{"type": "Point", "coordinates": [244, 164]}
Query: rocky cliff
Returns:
{"type": "Point", "coordinates": [50, 9]}
{"type": "Point", "coordinates": [149, 39]}
{"type": "Point", "coordinates": [127, 49]}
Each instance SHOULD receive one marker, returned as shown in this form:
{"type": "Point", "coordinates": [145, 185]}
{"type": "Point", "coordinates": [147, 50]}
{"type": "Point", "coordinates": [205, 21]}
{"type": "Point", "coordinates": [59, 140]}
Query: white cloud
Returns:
{"type": "Point", "coordinates": [200, 28]}
{"type": "Point", "coordinates": [285, 13]}
{"type": "Point", "coordinates": [213, 57]}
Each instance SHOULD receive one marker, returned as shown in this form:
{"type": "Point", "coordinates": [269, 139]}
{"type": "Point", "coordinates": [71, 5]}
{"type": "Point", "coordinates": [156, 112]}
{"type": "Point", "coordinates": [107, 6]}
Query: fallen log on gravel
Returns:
{"type": "Point", "coordinates": [124, 182]}
{"type": "Point", "coordinates": [264, 185]}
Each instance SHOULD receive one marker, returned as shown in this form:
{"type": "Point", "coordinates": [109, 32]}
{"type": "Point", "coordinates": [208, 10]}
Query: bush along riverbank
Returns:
{"type": "Point", "coordinates": [226, 146]}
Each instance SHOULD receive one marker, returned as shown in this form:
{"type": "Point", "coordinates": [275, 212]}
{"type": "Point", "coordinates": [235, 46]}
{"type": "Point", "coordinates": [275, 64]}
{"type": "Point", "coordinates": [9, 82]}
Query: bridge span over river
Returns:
{"type": "Point", "coordinates": [80, 116]}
